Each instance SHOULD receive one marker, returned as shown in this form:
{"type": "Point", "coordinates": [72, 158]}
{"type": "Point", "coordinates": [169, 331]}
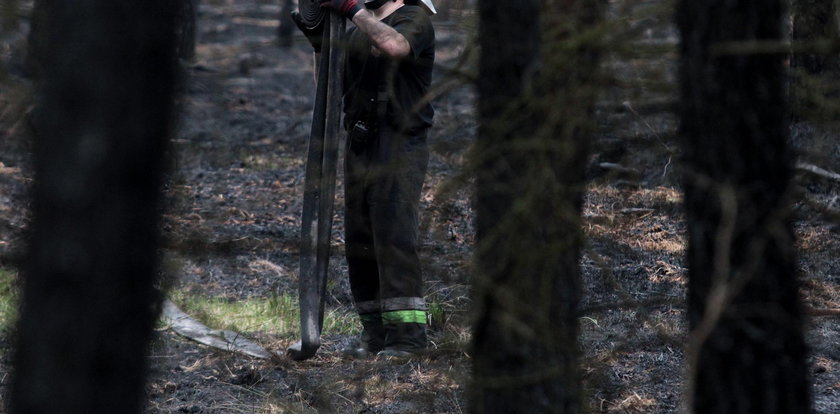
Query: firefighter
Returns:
{"type": "Point", "coordinates": [388, 71]}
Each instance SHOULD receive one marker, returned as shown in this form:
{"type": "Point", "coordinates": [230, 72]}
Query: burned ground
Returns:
{"type": "Point", "coordinates": [232, 218]}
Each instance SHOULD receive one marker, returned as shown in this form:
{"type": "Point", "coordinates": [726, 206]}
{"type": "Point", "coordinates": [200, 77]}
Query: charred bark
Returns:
{"type": "Point", "coordinates": [103, 118]}
{"type": "Point", "coordinates": [747, 353]}
{"type": "Point", "coordinates": [536, 95]}
{"type": "Point", "coordinates": [36, 39]}
{"type": "Point", "coordinates": [186, 28]}
{"type": "Point", "coordinates": [815, 72]}
{"type": "Point", "coordinates": [813, 21]}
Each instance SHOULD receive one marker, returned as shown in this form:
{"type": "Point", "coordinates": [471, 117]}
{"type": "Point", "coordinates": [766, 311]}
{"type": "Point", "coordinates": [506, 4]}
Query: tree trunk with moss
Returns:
{"type": "Point", "coordinates": [536, 92]}
{"type": "Point", "coordinates": [101, 123]}
{"type": "Point", "coordinates": [746, 350]}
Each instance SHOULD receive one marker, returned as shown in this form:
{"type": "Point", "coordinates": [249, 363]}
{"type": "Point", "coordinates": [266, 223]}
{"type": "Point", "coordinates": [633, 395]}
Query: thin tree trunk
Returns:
{"type": "Point", "coordinates": [746, 350]}
{"type": "Point", "coordinates": [536, 95]}
{"type": "Point", "coordinates": [103, 118]}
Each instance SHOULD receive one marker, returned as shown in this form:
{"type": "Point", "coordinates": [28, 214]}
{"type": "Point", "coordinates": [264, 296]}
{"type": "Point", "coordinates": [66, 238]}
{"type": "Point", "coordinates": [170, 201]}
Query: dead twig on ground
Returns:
{"type": "Point", "coordinates": [822, 172]}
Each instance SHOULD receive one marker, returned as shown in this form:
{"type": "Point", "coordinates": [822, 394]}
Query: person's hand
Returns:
{"type": "Point", "coordinates": [314, 34]}
{"type": "Point", "coordinates": [347, 8]}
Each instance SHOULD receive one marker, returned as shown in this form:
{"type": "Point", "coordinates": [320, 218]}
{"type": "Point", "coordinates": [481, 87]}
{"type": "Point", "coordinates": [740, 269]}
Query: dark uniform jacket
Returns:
{"type": "Point", "coordinates": [397, 87]}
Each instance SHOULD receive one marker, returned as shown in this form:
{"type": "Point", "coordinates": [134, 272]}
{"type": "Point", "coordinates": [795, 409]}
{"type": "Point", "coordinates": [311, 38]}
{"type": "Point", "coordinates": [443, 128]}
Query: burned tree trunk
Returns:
{"type": "Point", "coordinates": [814, 63]}
{"type": "Point", "coordinates": [103, 118]}
{"type": "Point", "coordinates": [535, 98]}
{"type": "Point", "coordinates": [746, 353]}
{"type": "Point", "coordinates": [814, 21]}
{"type": "Point", "coordinates": [36, 39]}
{"type": "Point", "coordinates": [186, 28]}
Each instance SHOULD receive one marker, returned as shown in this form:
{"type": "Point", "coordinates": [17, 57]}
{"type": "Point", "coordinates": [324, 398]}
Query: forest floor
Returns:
{"type": "Point", "coordinates": [232, 221]}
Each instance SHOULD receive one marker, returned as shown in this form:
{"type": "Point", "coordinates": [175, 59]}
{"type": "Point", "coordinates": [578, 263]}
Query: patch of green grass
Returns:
{"type": "Point", "coordinates": [9, 296]}
{"type": "Point", "coordinates": [276, 315]}
{"type": "Point", "coordinates": [437, 313]}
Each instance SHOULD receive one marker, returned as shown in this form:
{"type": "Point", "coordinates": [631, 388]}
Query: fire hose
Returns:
{"type": "Point", "coordinates": [319, 181]}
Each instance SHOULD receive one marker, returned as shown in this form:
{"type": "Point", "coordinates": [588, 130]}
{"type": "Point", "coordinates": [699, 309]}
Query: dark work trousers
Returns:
{"type": "Point", "coordinates": [383, 180]}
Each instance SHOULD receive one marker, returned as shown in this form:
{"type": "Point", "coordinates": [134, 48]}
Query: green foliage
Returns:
{"type": "Point", "coordinates": [278, 314]}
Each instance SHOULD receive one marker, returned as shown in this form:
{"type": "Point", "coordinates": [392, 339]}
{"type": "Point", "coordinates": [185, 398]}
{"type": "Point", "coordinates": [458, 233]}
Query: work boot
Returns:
{"type": "Point", "coordinates": [404, 340]}
{"type": "Point", "coordinates": [371, 341]}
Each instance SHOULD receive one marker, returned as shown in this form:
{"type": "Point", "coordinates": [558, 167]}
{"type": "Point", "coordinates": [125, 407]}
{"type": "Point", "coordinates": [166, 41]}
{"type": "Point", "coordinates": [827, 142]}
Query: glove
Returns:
{"type": "Point", "coordinates": [315, 35]}
{"type": "Point", "coordinates": [347, 8]}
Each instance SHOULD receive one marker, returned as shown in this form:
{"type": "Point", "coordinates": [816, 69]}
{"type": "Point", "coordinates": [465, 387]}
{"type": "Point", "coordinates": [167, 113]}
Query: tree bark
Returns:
{"type": "Point", "coordinates": [536, 95]}
{"type": "Point", "coordinates": [746, 350]}
{"type": "Point", "coordinates": [103, 118]}
{"type": "Point", "coordinates": [186, 28]}
{"type": "Point", "coordinates": [814, 74]}
{"type": "Point", "coordinates": [36, 39]}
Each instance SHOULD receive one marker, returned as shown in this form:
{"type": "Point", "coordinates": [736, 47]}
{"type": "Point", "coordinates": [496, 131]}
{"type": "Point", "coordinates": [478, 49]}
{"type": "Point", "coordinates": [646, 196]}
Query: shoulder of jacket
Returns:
{"type": "Point", "coordinates": [411, 11]}
{"type": "Point", "coordinates": [413, 8]}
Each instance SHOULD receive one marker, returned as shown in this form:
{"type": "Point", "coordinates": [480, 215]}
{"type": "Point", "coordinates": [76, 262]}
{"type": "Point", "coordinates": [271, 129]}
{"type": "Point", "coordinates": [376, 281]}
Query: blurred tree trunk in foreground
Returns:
{"type": "Point", "coordinates": [536, 92]}
{"type": "Point", "coordinates": [36, 39]}
{"type": "Point", "coordinates": [816, 72]}
{"type": "Point", "coordinates": [102, 121]}
{"type": "Point", "coordinates": [187, 16]}
{"type": "Point", "coordinates": [746, 350]}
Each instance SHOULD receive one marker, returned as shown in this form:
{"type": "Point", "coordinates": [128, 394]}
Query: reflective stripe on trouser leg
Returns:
{"type": "Point", "coordinates": [404, 316]}
{"type": "Point", "coordinates": [404, 310]}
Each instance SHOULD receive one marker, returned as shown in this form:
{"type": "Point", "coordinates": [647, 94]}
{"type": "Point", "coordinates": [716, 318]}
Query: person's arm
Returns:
{"type": "Point", "coordinates": [384, 37]}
